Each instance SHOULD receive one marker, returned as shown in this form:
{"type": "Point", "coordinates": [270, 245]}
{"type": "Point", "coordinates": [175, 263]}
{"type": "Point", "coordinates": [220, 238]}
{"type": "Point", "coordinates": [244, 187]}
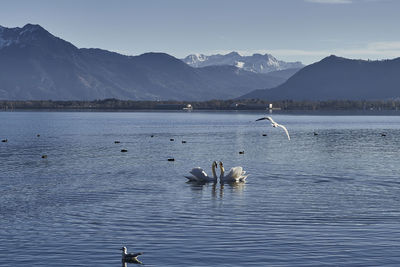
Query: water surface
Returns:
{"type": "Point", "coordinates": [326, 199]}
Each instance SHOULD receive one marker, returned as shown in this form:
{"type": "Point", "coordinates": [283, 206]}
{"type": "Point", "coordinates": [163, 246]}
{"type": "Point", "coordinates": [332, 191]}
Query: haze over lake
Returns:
{"type": "Point", "coordinates": [326, 199]}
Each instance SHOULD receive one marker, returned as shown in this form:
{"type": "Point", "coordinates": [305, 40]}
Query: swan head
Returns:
{"type": "Point", "coordinates": [215, 164]}
{"type": "Point", "coordinates": [221, 165]}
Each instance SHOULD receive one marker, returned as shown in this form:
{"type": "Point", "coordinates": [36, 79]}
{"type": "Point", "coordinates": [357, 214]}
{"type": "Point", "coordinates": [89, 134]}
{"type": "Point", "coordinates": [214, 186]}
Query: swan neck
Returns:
{"type": "Point", "coordinates": [214, 172]}
{"type": "Point", "coordinates": [222, 172]}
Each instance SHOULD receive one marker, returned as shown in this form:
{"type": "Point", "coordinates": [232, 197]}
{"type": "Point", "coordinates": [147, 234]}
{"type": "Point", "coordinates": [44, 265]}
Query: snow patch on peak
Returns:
{"type": "Point", "coordinates": [255, 63]}
{"type": "Point", "coordinates": [239, 64]}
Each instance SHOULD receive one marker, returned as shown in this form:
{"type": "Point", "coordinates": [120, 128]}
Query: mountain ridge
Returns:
{"type": "Point", "coordinates": [36, 65]}
{"type": "Point", "coordinates": [255, 63]}
{"type": "Point", "coordinates": [338, 78]}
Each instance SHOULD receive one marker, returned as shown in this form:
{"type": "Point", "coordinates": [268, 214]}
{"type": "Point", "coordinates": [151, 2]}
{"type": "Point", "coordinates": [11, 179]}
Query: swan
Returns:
{"type": "Point", "coordinates": [199, 175]}
{"type": "Point", "coordinates": [274, 124]}
{"type": "Point", "coordinates": [236, 174]}
{"type": "Point", "coordinates": [130, 257]}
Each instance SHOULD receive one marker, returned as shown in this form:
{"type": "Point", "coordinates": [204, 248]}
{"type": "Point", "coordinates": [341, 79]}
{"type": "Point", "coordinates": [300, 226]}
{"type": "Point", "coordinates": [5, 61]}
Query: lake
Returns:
{"type": "Point", "coordinates": [326, 199]}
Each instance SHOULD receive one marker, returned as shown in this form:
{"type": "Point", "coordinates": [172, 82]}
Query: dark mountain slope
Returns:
{"type": "Point", "coordinates": [339, 78]}
{"type": "Point", "coordinates": [36, 65]}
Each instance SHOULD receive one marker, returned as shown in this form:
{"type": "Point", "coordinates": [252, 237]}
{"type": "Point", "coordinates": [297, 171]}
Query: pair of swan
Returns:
{"type": "Point", "coordinates": [235, 174]}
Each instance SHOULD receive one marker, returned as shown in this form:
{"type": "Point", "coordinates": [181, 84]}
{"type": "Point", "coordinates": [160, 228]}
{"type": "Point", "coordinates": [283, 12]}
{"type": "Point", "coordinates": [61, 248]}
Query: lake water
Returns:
{"type": "Point", "coordinates": [329, 199]}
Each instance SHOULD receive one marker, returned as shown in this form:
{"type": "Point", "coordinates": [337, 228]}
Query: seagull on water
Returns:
{"type": "Point", "coordinates": [130, 257]}
{"type": "Point", "coordinates": [274, 124]}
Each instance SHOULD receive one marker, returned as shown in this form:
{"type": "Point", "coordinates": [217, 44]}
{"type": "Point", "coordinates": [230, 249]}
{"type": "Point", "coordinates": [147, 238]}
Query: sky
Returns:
{"type": "Point", "coordinates": [290, 30]}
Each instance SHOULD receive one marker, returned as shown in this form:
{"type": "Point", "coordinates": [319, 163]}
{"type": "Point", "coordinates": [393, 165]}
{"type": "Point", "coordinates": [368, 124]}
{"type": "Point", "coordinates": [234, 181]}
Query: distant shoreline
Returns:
{"type": "Point", "coordinates": [212, 105]}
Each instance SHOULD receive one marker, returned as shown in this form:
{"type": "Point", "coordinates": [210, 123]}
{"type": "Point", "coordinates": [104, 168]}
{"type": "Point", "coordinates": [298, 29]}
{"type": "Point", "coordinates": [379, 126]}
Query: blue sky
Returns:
{"type": "Point", "coordinates": [292, 30]}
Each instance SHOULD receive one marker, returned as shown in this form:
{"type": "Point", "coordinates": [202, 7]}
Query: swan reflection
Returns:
{"type": "Point", "coordinates": [218, 190]}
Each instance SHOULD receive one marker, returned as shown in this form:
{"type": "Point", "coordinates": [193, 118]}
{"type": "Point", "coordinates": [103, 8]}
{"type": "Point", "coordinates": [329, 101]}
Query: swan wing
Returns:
{"type": "Point", "coordinates": [192, 178]}
{"type": "Point", "coordinates": [235, 172]}
{"type": "Point", "coordinates": [284, 128]}
{"type": "Point", "coordinates": [243, 178]}
{"type": "Point", "coordinates": [199, 173]}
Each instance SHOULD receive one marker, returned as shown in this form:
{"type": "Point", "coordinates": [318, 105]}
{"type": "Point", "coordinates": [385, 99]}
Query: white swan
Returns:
{"type": "Point", "coordinates": [200, 176]}
{"type": "Point", "coordinates": [274, 124]}
{"type": "Point", "coordinates": [236, 174]}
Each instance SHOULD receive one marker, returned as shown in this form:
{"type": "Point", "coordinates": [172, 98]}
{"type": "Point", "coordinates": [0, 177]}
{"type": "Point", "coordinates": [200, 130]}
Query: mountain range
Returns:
{"type": "Point", "coordinates": [337, 78]}
{"type": "Point", "coordinates": [256, 63]}
{"type": "Point", "coordinates": [36, 65]}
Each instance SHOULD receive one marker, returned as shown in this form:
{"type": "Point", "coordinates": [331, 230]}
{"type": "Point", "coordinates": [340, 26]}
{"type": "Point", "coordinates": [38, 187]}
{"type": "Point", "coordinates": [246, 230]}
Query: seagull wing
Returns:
{"type": "Point", "coordinates": [267, 118]}
{"type": "Point", "coordinates": [263, 118]}
{"type": "Point", "coordinates": [270, 119]}
{"type": "Point", "coordinates": [284, 128]}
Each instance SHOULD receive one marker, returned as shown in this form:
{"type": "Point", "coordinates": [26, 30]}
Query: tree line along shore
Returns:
{"type": "Point", "coordinates": [249, 104]}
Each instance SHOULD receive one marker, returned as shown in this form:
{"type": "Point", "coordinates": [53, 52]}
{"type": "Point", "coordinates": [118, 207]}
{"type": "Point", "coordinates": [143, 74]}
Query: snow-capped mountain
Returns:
{"type": "Point", "coordinates": [256, 63]}
{"type": "Point", "coordinates": [36, 65]}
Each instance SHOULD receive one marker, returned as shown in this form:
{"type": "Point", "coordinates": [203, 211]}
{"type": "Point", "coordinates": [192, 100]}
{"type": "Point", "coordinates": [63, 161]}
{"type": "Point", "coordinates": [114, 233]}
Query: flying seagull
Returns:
{"type": "Point", "coordinates": [130, 257]}
{"type": "Point", "coordinates": [274, 124]}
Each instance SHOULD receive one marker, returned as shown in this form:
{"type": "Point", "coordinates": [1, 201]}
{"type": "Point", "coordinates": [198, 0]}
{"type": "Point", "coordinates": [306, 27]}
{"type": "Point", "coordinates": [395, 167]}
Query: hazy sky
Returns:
{"type": "Point", "coordinates": [304, 30]}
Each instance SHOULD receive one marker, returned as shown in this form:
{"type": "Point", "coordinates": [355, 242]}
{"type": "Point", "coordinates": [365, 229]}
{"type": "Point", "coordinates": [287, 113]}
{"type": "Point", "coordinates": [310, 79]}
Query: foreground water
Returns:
{"type": "Point", "coordinates": [326, 199]}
